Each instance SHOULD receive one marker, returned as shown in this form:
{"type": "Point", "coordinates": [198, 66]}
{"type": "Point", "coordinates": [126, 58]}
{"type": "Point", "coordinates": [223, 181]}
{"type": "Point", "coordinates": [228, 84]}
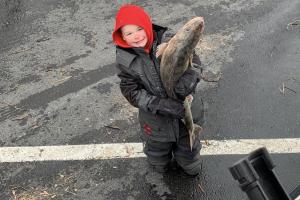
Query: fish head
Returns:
{"type": "Point", "coordinates": [185, 41]}
{"type": "Point", "coordinates": [189, 35]}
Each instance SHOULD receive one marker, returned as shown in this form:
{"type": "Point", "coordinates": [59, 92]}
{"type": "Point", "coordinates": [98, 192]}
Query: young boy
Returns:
{"type": "Point", "coordinates": [164, 134]}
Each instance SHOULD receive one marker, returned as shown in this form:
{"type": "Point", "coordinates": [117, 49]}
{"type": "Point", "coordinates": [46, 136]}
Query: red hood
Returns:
{"type": "Point", "coordinates": [131, 14]}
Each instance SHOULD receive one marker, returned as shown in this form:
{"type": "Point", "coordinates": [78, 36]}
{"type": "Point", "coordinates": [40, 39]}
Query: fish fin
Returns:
{"type": "Point", "coordinates": [194, 133]}
{"type": "Point", "coordinates": [197, 129]}
{"type": "Point", "coordinates": [192, 139]}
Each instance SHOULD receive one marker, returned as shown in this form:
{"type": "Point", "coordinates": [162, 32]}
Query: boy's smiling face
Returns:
{"type": "Point", "coordinates": [135, 36]}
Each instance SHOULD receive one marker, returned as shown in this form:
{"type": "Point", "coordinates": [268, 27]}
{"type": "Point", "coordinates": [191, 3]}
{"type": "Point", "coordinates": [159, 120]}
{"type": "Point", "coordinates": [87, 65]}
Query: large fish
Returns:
{"type": "Point", "coordinates": [175, 59]}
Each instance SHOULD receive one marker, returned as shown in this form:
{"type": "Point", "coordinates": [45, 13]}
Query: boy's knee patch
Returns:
{"type": "Point", "coordinates": [193, 168]}
{"type": "Point", "coordinates": [158, 154]}
{"type": "Point", "coordinates": [191, 165]}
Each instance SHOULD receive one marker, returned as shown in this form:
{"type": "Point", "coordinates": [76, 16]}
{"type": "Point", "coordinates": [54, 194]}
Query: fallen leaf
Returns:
{"type": "Point", "coordinates": [201, 188]}
{"type": "Point", "coordinates": [35, 127]}
{"type": "Point", "coordinates": [45, 193]}
{"type": "Point", "coordinates": [22, 116]}
{"type": "Point", "coordinates": [206, 142]}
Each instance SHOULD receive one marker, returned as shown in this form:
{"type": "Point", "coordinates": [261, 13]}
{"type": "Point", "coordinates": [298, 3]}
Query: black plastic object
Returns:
{"type": "Point", "coordinates": [296, 193]}
{"type": "Point", "coordinates": [256, 177]}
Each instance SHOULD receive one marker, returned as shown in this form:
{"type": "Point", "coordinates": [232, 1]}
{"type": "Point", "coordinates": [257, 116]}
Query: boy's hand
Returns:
{"type": "Point", "coordinates": [160, 49]}
{"type": "Point", "coordinates": [189, 98]}
{"type": "Point", "coordinates": [172, 108]}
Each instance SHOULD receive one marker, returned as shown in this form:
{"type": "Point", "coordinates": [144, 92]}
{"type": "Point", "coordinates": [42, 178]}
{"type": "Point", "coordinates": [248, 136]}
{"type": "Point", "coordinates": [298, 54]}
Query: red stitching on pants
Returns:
{"type": "Point", "coordinates": [147, 129]}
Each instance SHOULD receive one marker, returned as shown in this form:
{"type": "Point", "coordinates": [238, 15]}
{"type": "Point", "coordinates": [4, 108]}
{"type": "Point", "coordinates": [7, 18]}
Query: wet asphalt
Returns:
{"type": "Point", "coordinates": [58, 86]}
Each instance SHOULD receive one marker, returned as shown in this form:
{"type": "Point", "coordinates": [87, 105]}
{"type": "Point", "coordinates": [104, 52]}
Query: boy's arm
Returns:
{"type": "Point", "coordinates": [187, 83]}
{"type": "Point", "coordinates": [167, 35]}
{"type": "Point", "coordinates": [137, 96]}
{"type": "Point", "coordinates": [133, 91]}
{"type": "Point", "coordinates": [196, 62]}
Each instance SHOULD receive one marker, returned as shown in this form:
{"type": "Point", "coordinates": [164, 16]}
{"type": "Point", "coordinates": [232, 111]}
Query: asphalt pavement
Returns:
{"type": "Point", "coordinates": [58, 86]}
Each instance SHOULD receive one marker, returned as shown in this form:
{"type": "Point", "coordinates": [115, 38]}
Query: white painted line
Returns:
{"type": "Point", "coordinates": [135, 150]}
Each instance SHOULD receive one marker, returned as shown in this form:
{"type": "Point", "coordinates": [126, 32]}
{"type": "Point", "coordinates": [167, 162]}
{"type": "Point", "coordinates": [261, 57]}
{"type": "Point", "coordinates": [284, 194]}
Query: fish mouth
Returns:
{"type": "Point", "coordinates": [195, 24]}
